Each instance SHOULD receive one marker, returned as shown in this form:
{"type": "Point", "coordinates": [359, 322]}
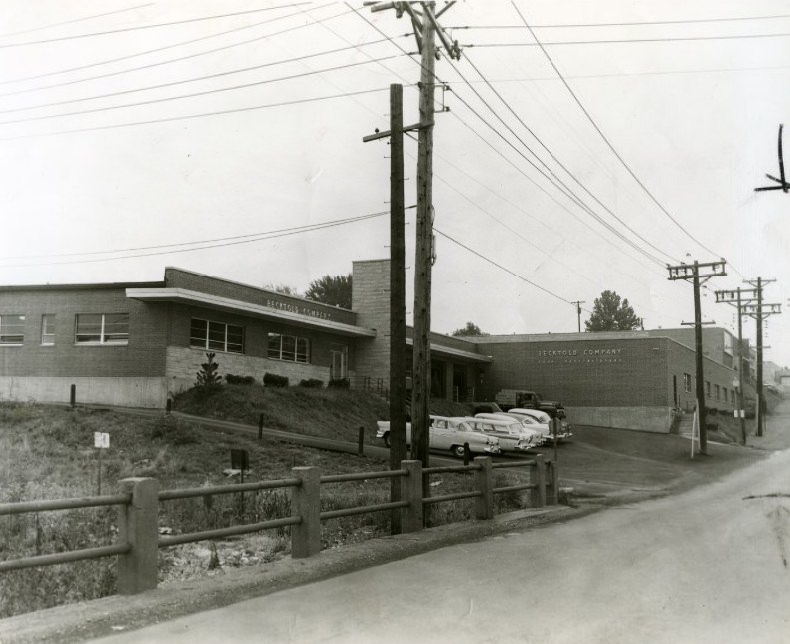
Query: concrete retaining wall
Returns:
{"type": "Point", "coordinates": [646, 419]}
{"type": "Point", "coordinates": [122, 392]}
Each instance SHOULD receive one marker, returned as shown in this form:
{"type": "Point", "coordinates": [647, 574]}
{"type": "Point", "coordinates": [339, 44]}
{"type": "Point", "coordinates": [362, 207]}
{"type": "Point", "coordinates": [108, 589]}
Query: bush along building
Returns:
{"type": "Point", "coordinates": [138, 344]}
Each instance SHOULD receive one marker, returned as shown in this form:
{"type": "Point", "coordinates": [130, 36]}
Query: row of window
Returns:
{"type": "Point", "coordinates": [113, 328]}
{"type": "Point", "coordinates": [717, 389]}
{"type": "Point", "coordinates": [89, 328]}
{"type": "Point", "coordinates": [218, 336]}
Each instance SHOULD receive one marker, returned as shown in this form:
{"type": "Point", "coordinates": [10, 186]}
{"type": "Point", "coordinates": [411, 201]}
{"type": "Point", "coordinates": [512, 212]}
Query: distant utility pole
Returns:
{"type": "Point", "coordinates": [426, 27]}
{"type": "Point", "coordinates": [692, 272]}
{"type": "Point", "coordinates": [738, 297]}
{"type": "Point", "coordinates": [578, 304]}
{"type": "Point", "coordinates": [760, 312]}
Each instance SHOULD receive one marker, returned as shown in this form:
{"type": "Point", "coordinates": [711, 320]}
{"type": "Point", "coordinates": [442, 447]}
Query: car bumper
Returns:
{"type": "Point", "coordinates": [492, 449]}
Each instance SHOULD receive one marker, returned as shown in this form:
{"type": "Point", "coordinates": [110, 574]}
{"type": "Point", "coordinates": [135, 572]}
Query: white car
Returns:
{"type": "Point", "coordinates": [563, 431]}
{"type": "Point", "coordinates": [446, 433]}
{"type": "Point", "coordinates": [513, 435]}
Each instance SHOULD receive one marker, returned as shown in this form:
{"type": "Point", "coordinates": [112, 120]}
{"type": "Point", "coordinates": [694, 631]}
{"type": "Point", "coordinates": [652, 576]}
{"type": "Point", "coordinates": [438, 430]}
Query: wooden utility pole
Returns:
{"type": "Point", "coordinates": [759, 312]}
{"type": "Point", "coordinates": [738, 297]}
{"type": "Point", "coordinates": [424, 22]}
{"type": "Point", "coordinates": [397, 294]}
{"type": "Point", "coordinates": [685, 272]}
{"type": "Point", "coordinates": [578, 304]}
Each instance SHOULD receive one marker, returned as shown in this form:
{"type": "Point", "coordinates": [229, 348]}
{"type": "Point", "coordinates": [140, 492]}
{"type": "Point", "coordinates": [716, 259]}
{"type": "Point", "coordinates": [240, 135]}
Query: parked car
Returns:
{"type": "Point", "coordinates": [513, 435]}
{"type": "Point", "coordinates": [447, 433]}
{"type": "Point", "coordinates": [563, 431]}
{"type": "Point", "coordinates": [538, 431]}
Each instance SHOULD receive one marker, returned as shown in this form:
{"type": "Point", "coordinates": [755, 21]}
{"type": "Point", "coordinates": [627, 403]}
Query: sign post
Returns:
{"type": "Point", "coordinates": [101, 441]}
{"type": "Point", "coordinates": [239, 460]}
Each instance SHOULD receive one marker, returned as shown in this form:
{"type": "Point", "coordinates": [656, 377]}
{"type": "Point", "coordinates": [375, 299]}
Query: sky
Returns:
{"type": "Point", "coordinates": [582, 147]}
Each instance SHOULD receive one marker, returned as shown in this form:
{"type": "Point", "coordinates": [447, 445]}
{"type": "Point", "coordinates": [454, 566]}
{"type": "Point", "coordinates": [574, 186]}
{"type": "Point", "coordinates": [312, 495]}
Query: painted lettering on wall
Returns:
{"type": "Point", "coordinates": [572, 352]}
{"type": "Point", "coordinates": [295, 308]}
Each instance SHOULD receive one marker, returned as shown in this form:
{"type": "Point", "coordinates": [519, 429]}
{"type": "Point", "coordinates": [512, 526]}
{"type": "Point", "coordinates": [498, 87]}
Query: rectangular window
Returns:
{"type": "Point", "coordinates": [687, 383]}
{"type": "Point", "coordinates": [707, 388]}
{"type": "Point", "coordinates": [12, 329]}
{"type": "Point", "coordinates": [288, 347]}
{"type": "Point", "coordinates": [718, 392]}
{"type": "Point", "coordinates": [48, 329]}
{"type": "Point", "coordinates": [725, 394]}
{"type": "Point", "coordinates": [216, 336]}
{"type": "Point", "coordinates": [102, 328]}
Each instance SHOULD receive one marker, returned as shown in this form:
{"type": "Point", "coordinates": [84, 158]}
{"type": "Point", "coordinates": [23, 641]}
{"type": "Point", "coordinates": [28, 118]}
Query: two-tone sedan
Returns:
{"type": "Point", "coordinates": [563, 431]}
{"type": "Point", "coordinates": [513, 435]}
{"type": "Point", "coordinates": [446, 433]}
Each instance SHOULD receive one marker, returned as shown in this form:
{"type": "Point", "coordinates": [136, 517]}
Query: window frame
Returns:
{"type": "Point", "coordinates": [687, 383]}
{"type": "Point", "coordinates": [219, 336]}
{"type": "Point", "coordinates": [47, 329]}
{"type": "Point", "coordinates": [287, 348]}
{"type": "Point", "coordinates": [6, 330]}
{"type": "Point", "coordinates": [106, 338]}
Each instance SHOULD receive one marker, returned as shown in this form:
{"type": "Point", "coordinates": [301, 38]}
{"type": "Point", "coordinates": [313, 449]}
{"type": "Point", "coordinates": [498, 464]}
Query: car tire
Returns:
{"type": "Point", "coordinates": [387, 439]}
{"type": "Point", "coordinates": [458, 450]}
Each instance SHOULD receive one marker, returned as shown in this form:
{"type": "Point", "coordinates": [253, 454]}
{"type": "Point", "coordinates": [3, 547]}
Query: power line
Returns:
{"type": "Point", "coordinates": [558, 43]}
{"type": "Point", "coordinates": [170, 119]}
{"type": "Point", "coordinates": [628, 24]}
{"type": "Point", "coordinates": [69, 22]}
{"type": "Point", "coordinates": [154, 26]}
{"type": "Point", "coordinates": [191, 80]}
{"type": "Point", "coordinates": [605, 139]}
{"type": "Point", "coordinates": [192, 95]}
{"type": "Point", "coordinates": [159, 49]}
{"type": "Point", "coordinates": [211, 243]}
{"type": "Point", "coordinates": [558, 162]}
{"type": "Point", "coordinates": [499, 266]}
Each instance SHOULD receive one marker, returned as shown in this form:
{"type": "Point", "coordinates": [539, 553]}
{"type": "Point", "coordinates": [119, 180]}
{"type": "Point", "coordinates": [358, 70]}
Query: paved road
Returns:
{"type": "Point", "coordinates": [708, 565]}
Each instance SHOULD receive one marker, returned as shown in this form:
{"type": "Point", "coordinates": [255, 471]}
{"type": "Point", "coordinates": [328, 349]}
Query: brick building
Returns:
{"type": "Point", "coordinates": [136, 344]}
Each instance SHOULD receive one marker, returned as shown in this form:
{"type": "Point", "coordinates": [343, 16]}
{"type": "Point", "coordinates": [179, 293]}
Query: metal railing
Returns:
{"type": "Point", "coordinates": [140, 498]}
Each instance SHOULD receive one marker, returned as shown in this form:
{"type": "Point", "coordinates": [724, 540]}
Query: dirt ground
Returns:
{"type": "Point", "coordinates": [604, 467]}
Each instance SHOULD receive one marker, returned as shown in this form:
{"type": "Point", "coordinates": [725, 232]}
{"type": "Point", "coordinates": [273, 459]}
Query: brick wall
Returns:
{"type": "Point", "coordinates": [143, 356]}
{"type": "Point", "coordinates": [371, 302]}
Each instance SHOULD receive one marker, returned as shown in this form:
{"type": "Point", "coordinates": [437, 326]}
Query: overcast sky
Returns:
{"type": "Point", "coordinates": [207, 135]}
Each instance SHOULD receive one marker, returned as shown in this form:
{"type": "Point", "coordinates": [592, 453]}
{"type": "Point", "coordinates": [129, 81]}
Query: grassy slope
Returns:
{"type": "Point", "coordinates": [46, 452]}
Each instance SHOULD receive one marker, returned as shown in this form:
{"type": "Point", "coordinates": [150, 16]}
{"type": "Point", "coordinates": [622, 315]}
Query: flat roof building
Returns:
{"type": "Point", "coordinates": [138, 344]}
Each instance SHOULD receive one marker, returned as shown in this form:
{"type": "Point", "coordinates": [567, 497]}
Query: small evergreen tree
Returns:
{"type": "Point", "coordinates": [207, 377]}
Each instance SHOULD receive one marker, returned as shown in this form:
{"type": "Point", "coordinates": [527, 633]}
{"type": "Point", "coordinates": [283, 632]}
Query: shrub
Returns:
{"type": "Point", "coordinates": [207, 378]}
{"type": "Point", "coordinates": [273, 380]}
{"type": "Point", "coordinates": [239, 380]}
{"type": "Point", "coordinates": [312, 383]}
{"type": "Point", "coordinates": [339, 383]}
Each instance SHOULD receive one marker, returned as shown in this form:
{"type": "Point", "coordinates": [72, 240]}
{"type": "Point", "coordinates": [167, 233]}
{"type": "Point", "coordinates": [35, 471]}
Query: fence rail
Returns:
{"type": "Point", "coordinates": [139, 540]}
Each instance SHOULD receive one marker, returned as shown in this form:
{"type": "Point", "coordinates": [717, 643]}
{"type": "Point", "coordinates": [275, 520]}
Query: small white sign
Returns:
{"type": "Point", "coordinates": [738, 413]}
{"type": "Point", "coordinates": [101, 440]}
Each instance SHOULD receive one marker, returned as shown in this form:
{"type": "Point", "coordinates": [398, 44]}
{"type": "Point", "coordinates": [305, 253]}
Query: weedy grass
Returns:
{"type": "Point", "coordinates": [47, 452]}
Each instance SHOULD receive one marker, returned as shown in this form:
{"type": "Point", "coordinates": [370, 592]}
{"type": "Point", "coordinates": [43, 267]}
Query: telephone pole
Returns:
{"type": "Point", "coordinates": [578, 304]}
{"type": "Point", "coordinates": [760, 312]}
{"type": "Point", "coordinates": [692, 272]}
{"type": "Point", "coordinates": [738, 297]}
{"type": "Point", "coordinates": [425, 25]}
{"type": "Point", "coordinates": [397, 294]}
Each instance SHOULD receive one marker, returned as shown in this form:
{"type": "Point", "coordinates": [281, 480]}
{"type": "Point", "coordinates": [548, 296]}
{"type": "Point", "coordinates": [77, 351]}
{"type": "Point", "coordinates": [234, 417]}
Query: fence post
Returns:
{"type": "Point", "coordinates": [306, 504]}
{"type": "Point", "coordinates": [538, 479]}
{"type": "Point", "coordinates": [361, 442]}
{"type": "Point", "coordinates": [138, 525]}
{"type": "Point", "coordinates": [73, 395]}
{"type": "Point", "coordinates": [411, 491]}
{"type": "Point", "coordinates": [553, 476]}
{"type": "Point", "coordinates": [484, 504]}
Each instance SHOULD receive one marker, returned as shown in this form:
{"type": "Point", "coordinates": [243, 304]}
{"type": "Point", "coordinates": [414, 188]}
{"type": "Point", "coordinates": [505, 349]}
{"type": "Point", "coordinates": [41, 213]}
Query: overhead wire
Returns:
{"type": "Point", "coordinates": [74, 20]}
{"type": "Point", "coordinates": [553, 157]}
{"type": "Point", "coordinates": [568, 193]}
{"type": "Point", "coordinates": [207, 92]}
{"type": "Point", "coordinates": [206, 244]}
{"type": "Point", "coordinates": [607, 141]}
{"type": "Point", "coordinates": [190, 80]}
{"type": "Point", "coordinates": [630, 23]}
{"type": "Point", "coordinates": [160, 49]}
{"type": "Point", "coordinates": [154, 26]}
{"type": "Point", "coordinates": [185, 117]}
{"type": "Point", "coordinates": [614, 41]}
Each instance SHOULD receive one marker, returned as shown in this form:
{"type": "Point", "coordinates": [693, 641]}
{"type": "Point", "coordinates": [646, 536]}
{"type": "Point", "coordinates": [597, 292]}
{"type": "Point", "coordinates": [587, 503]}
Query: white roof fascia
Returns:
{"type": "Point", "coordinates": [451, 351]}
